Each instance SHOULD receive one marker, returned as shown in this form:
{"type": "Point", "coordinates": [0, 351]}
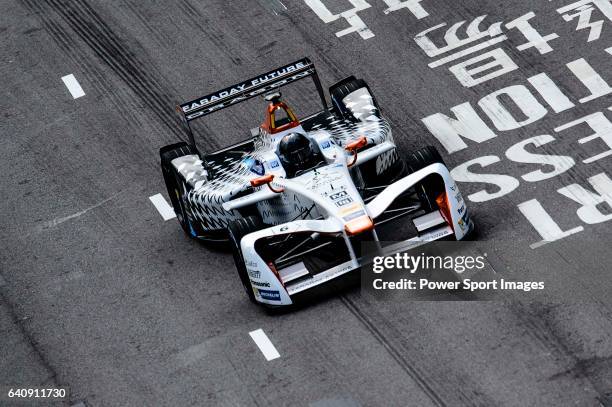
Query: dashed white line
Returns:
{"type": "Point", "coordinates": [164, 209]}
{"type": "Point", "coordinates": [73, 86]}
{"type": "Point", "coordinates": [265, 346]}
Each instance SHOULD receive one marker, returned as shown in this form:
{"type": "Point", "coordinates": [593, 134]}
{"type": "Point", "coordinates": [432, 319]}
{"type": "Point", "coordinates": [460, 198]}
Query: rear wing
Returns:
{"type": "Point", "coordinates": [240, 92]}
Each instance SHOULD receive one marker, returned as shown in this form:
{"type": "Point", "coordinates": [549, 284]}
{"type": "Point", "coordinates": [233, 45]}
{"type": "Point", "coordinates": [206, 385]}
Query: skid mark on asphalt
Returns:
{"type": "Point", "coordinates": [395, 353]}
{"type": "Point", "coordinates": [265, 345]}
{"type": "Point", "coordinates": [136, 72]}
{"type": "Point", "coordinates": [439, 390]}
{"type": "Point", "coordinates": [62, 219]}
{"type": "Point", "coordinates": [276, 6]}
{"type": "Point", "coordinates": [74, 87]}
{"type": "Point", "coordinates": [163, 207]}
{"type": "Point", "coordinates": [540, 324]}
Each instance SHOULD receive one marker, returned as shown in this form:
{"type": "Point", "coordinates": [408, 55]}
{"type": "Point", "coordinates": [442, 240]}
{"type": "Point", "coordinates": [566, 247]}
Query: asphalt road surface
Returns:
{"type": "Point", "coordinates": [99, 294]}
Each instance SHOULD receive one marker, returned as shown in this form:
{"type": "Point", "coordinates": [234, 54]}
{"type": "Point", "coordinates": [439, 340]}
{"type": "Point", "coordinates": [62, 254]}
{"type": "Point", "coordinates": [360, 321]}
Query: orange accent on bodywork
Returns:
{"type": "Point", "coordinates": [353, 146]}
{"type": "Point", "coordinates": [359, 143]}
{"type": "Point", "coordinates": [265, 179]}
{"type": "Point", "coordinates": [359, 225]}
{"type": "Point", "coordinates": [269, 122]}
{"type": "Point", "coordinates": [276, 273]}
{"type": "Point", "coordinates": [442, 201]}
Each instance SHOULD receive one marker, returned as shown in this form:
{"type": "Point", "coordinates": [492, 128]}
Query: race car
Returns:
{"type": "Point", "coordinates": [296, 200]}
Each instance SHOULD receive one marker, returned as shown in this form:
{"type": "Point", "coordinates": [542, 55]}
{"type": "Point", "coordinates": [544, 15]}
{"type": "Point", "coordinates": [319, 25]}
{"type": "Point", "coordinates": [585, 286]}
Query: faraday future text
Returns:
{"type": "Point", "coordinates": [466, 284]}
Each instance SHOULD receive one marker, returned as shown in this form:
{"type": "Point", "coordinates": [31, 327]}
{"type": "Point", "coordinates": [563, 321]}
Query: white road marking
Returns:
{"type": "Point", "coordinates": [544, 224]}
{"type": "Point", "coordinates": [164, 209]}
{"type": "Point", "coordinates": [73, 86]}
{"type": "Point", "coordinates": [609, 50]}
{"type": "Point", "coordinates": [265, 346]}
{"type": "Point", "coordinates": [536, 40]}
{"type": "Point", "coordinates": [466, 51]}
{"type": "Point", "coordinates": [590, 79]}
{"type": "Point", "coordinates": [413, 5]}
{"type": "Point", "coordinates": [550, 92]}
{"type": "Point", "coordinates": [356, 23]}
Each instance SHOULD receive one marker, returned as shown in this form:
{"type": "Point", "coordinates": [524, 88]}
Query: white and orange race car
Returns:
{"type": "Point", "coordinates": [296, 200]}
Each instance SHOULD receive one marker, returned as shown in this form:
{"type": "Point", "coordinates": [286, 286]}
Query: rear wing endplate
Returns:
{"type": "Point", "coordinates": [240, 92]}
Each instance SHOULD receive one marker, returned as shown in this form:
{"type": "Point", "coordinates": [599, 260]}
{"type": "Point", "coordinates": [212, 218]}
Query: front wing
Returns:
{"type": "Point", "coordinates": [276, 287]}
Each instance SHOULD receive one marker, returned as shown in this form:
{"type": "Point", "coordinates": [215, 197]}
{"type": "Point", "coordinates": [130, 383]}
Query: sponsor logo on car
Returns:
{"type": "Point", "coordinates": [254, 273]}
{"type": "Point", "coordinates": [354, 215]}
{"type": "Point", "coordinates": [240, 89]}
{"type": "Point", "coordinates": [337, 195]}
{"type": "Point", "coordinates": [464, 221]}
{"type": "Point", "coordinates": [269, 295]}
{"type": "Point", "coordinates": [259, 284]}
{"type": "Point", "coordinates": [344, 201]}
{"type": "Point", "coordinates": [325, 144]}
{"type": "Point", "coordinates": [351, 208]}
{"type": "Point", "coordinates": [274, 164]}
{"type": "Point", "coordinates": [256, 166]}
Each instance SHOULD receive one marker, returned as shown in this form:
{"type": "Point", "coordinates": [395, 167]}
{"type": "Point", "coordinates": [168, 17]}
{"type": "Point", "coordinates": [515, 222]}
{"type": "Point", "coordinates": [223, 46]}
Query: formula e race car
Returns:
{"type": "Point", "coordinates": [296, 200]}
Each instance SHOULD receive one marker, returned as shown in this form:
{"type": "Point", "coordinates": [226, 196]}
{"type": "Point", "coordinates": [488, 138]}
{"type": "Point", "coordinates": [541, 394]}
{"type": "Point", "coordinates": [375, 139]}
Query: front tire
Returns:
{"type": "Point", "coordinates": [429, 188]}
{"type": "Point", "coordinates": [237, 229]}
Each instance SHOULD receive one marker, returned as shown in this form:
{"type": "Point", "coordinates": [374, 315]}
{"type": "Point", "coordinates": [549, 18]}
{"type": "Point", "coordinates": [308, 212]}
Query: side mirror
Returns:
{"type": "Point", "coordinates": [357, 144]}
{"type": "Point", "coordinates": [264, 179]}
{"type": "Point", "coordinates": [353, 146]}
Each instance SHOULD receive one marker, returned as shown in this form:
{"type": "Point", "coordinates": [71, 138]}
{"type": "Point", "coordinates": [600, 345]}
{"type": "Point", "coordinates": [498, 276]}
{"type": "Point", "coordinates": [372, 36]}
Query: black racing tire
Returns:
{"type": "Point", "coordinates": [422, 158]}
{"type": "Point", "coordinates": [430, 187]}
{"type": "Point", "coordinates": [173, 181]}
{"type": "Point", "coordinates": [236, 230]}
{"type": "Point", "coordinates": [340, 90]}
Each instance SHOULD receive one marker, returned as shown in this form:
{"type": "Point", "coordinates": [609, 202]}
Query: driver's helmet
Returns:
{"type": "Point", "coordinates": [296, 152]}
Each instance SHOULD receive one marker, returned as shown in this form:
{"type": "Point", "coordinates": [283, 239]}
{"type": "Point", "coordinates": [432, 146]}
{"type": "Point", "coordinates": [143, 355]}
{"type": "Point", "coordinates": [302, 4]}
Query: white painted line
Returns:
{"type": "Point", "coordinates": [265, 346]}
{"type": "Point", "coordinates": [73, 86]}
{"type": "Point", "coordinates": [164, 209]}
{"type": "Point", "coordinates": [609, 50]}
{"type": "Point", "coordinates": [467, 51]}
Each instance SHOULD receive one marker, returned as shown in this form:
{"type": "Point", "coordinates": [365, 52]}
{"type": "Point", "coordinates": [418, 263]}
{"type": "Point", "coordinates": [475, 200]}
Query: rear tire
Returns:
{"type": "Point", "coordinates": [343, 88]}
{"type": "Point", "coordinates": [237, 229]}
{"type": "Point", "coordinates": [174, 183]}
{"type": "Point", "coordinates": [430, 187]}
